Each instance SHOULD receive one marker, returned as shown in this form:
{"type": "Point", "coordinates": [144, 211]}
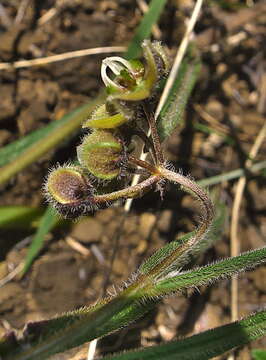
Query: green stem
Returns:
{"type": "Point", "coordinates": [234, 174]}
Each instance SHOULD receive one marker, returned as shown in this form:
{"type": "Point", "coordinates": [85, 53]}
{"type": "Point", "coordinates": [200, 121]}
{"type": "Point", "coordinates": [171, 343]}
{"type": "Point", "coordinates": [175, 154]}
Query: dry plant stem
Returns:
{"type": "Point", "coordinates": [47, 16]}
{"type": "Point", "coordinates": [5, 19]}
{"type": "Point", "coordinates": [12, 274]}
{"type": "Point", "coordinates": [60, 57]}
{"type": "Point", "coordinates": [155, 137]}
{"type": "Point", "coordinates": [235, 244]}
{"type": "Point", "coordinates": [21, 11]}
{"type": "Point", "coordinates": [179, 56]}
{"type": "Point", "coordinates": [74, 244]}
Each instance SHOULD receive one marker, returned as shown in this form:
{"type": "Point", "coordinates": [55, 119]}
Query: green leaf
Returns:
{"type": "Point", "coordinates": [48, 221]}
{"type": "Point", "coordinates": [22, 153]}
{"type": "Point", "coordinates": [13, 150]}
{"type": "Point", "coordinates": [143, 31]}
{"type": "Point", "coordinates": [259, 354]}
{"type": "Point", "coordinates": [163, 253]}
{"type": "Point", "coordinates": [43, 339]}
{"type": "Point", "coordinates": [209, 273]}
{"type": "Point", "coordinates": [172, 112]}
{"type": "Point", "coordinates": [19, 216]}
{"type": "Point", "coordinates": [205, 345]}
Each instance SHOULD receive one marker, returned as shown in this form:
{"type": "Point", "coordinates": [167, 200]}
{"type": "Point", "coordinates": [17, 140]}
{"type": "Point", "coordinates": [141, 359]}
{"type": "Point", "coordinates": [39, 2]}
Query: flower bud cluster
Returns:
{"type": "Point", "coordinates": [103, 152]}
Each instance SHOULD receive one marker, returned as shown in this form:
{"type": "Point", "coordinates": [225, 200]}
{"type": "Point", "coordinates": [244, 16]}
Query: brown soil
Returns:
{"type": "Point", "coordinates": [230, 97]}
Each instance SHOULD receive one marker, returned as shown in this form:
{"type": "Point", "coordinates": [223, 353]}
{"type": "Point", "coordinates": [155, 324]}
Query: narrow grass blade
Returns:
{"type": "Point", "coordinates": [32, 147]}
{"type": "Point", "coordinates": [205, 345]}
{"type": "Point", "coordinates": [208, 130]}
{"type": "Point", "coordinates": [172, 112]}
{"type": "Point", "coordinates": [210, 273]}
{"type": "Point", "coordinates": [11, 151]}
{"type": "Point", "coordinates": [48, 221]}
{"type": "Point", "coordinates": [258, 354]}
{"type": "Point", "coordinates": [19, 216]}
{"type": "Point", "coordinates": [144, 29]}
{"type": "Point", "coordinates": [234, 174]}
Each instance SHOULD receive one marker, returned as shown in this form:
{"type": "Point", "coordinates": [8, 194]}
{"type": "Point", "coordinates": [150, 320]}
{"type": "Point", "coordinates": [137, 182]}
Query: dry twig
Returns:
{"type": "Point", "coordinates": [61, 57]}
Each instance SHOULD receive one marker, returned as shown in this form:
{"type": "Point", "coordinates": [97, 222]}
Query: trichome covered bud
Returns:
{"type": "Point", "coordinates": [100, 153]}
{"type": "Point", "coordinates": [69, 190]}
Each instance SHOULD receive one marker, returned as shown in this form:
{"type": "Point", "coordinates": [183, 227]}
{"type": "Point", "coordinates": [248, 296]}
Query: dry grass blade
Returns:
{"type": "Point", "coordinates": [4, 17]}
{"type": "Point", "coordinates": [235, 243]}
{"type": "Point", "coordinates": [12, 274]}
{"type": "Point", "coordinates": [179, 56]}
{"type": "Point", "coordinates": [61, 57]}
{"type": "Point", "coordinates": [21, 11]}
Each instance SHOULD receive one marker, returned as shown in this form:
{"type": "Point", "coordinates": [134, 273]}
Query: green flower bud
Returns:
{"type": "Point", "coordinates": [100, 153]}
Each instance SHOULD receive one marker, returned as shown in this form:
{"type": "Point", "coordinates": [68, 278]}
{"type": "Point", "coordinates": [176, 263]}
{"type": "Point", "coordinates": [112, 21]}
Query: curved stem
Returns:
{"type": "Point", "coordinates": [197, 191]}
{"type": "Point", "coordinates": [165, 266]}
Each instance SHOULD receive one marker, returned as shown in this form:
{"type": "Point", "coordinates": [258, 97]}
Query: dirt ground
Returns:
{"type": "Point", "coordinates": [230, 99]}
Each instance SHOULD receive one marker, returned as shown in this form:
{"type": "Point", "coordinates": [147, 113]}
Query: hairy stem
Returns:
{"type": "Point", "coordinates": [207, 216]}
{"type": "Point", "coordinates": [143, 164]}
{"type": "Point", "coordinates": [154, 134]}
{"type": "Point", "coordinates": [129, 192]}
{"type": "Point", "coordinates": [147, 142]}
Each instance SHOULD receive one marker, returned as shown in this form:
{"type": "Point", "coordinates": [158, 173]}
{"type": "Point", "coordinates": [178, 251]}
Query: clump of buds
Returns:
{"type": "Point", "coordinates": [104, 153]}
